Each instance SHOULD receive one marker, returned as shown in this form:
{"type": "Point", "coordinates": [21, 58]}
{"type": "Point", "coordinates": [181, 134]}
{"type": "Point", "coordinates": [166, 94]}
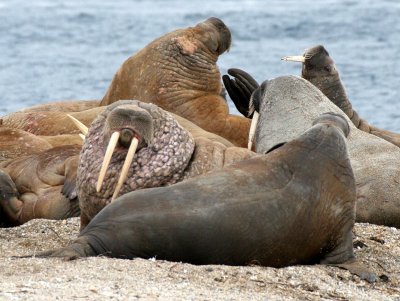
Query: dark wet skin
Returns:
{"type": "Point", "coordinates": [252, 212]}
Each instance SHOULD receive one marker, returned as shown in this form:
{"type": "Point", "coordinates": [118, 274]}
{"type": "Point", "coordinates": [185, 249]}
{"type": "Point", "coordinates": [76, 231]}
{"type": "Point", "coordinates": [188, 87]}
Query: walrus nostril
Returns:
{"type": "Point", "coordinates": [126, 137]}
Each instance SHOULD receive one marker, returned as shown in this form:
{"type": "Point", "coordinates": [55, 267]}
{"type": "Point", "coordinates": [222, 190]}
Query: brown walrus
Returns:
{"type": "Point", "coordinates": [166, 153]}
{"type": "Point", "coordinates": [30, 186]}
{"type": "Point", "coordinates": [319, 69]}
{"type": "Point", "coordinates": [36, 176]}
{"type": "Point", "coordinates": [178, 72]}
{"type": "Point", "coordinates": [287, 104]}
{"type": "Point", "coordinates": [295, 205]}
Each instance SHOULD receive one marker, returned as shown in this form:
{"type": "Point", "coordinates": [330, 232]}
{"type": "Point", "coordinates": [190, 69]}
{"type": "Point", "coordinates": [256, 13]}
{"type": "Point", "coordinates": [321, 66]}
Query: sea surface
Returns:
{"type": "Point", "coordinates": [55, 50]}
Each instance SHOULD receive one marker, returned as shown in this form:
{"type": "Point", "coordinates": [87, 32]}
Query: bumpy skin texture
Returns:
{"type": "Point", "coordinates": [252, 212]}
{"type": "Point", "coordinates": [288, 104]}
{"type": "Point", "coordinates": [36, 182]}
{"type": "Point", "coordinates": [178, 72]}
{"type": "Point", "coordinates": [161, 162]}
{"type": "Point", "coordinates": [320, 70]}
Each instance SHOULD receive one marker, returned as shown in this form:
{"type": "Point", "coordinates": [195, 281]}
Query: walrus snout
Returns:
{"type": "Point", "coordinates": [220, 40]}
{"type": "Point", "coordinates": [334, 119]}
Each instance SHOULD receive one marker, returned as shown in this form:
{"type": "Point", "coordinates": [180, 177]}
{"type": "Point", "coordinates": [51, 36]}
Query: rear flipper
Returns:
{"type": "Point", "coordinates": [10, 204]}
{"type": "Point", "coordinates": [343, 257]}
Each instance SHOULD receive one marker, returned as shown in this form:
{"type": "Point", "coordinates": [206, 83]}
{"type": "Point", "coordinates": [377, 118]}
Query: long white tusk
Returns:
{"type": "Point", "coordinates": [125, 167]}
{"type": "Point", "coordinates": [107, 158]}
{"type": "Point", "coordinates": [83, 128]}
{"type": "Point", "coordinates": [82, 136]}
{"type": "Point", "coordinates": [294, 58]}
{"type": "Point", "coordinates": [253, 129]}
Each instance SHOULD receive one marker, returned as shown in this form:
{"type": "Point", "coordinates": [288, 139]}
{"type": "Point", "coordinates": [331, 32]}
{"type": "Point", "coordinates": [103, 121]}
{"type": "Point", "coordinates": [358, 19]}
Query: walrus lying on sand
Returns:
{"type": "Point", "coordinates": [171, 149]}
{"type": "Point", "coordinates": [177, 72]}
{"type": "Point", "coordinates": [319, 69]}
{"type": "Point", "coordinates": [295, 205]}
{"type": "Point", "coordinates": [30, 186]}
{"type": "Point", "coordinates": [287, 104]}
{"type": "Point", "coordinates": [167, 152]}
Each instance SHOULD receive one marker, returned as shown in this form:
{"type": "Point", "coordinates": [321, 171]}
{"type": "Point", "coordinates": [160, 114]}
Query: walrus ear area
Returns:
{"type": "Point", "coordinates": [334, 119]}
{"type": "Point", "coordinates": [240, 89]}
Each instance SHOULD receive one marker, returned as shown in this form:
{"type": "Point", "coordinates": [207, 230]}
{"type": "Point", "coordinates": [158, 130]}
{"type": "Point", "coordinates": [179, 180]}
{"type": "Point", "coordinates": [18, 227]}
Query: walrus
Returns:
{"type": "Point", "coordinates": [319, 69]}
{"type": "Point", "coordinates": [178, 72]}
{"type": "Point", "coordinates": [287, 103]}
{"type": "Point", "coordinates": [134, 145]}
{"type": "Point", "coordinates": [295, 205]}
{"type": "Point", "coordinates": [31, 186]}
{"type": "Point", "coordinates": [34, 177]}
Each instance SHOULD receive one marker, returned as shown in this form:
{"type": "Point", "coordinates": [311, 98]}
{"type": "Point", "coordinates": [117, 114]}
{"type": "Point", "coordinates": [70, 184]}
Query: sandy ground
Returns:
{"type": "Point", "coordinates": [117, 279]}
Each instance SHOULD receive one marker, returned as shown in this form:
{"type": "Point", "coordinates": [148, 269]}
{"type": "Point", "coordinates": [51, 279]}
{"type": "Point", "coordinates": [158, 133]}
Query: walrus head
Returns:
{"type": "Point", "coordinates": [219, 36]}
{"type": "Point", "coordinates": [131, 145]}
{"type": "Point", "coordinates": [319, 69]}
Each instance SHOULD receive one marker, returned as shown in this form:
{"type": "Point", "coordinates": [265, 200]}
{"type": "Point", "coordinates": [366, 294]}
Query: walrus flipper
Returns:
{"type": "Point", "coordinates": [9, 197]}
{"type": "Point", "coordinates": [240, 89]}
{"type": "Point", "coordinates": [69, 187]}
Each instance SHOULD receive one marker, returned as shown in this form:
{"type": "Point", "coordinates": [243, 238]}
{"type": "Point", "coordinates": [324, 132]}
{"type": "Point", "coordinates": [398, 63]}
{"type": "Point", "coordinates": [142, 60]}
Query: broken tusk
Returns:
{"type": "Point", "coordinates": [125, 167]}
{"type": "Point", "coordinates": [107, 158]}
{"type": "Point", "coordinates": [294, 58]}
{"type": "Point", "coordinates": [252, 131]}
{"type": "Point", "coordinates": [83, 128]}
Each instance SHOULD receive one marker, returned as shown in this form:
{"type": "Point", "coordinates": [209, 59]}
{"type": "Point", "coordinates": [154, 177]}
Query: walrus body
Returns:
{"type": "Point", "coordinates": [288, 104]}
{"type": "Point", "coordinates": [178, 72]}
{"type": "Point", "coordinates": [168, 153]}
{"type": "Point", "coordinates": [319, 69]}
{"type": "Point", "coordinates": [30, 186]}
{"type": "Point", "coordinates": [253, 211]}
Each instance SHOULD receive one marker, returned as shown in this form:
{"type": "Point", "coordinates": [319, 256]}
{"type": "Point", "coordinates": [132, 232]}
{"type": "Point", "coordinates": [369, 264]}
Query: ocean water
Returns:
{"type": "Point", "coordinates": [54, 50]}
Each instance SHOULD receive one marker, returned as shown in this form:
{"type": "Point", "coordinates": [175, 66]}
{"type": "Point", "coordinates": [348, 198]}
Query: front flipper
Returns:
{"type": "Point", "coordinates": [240, 89]}
{"type": "Point", "coordinates": [10, 205]}
{"type": "Point", "coordinates": [343, 257]}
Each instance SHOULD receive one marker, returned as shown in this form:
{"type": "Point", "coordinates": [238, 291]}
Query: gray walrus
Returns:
{"type": "Point", "coordinates": [295, 205]}
{"type": "Point", "coordinates": [287, 104]}
{"type": "Point", "coordinates": [164, 152]}
{"type": "Point", "coordinates": [319, 69]}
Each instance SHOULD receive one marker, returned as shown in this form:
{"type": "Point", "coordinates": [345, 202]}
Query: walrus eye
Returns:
{"type": "Point", "coordinates": [126, 137]}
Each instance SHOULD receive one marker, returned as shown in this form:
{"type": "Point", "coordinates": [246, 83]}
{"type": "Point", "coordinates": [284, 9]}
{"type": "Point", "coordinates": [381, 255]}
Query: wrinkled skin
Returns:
{"type": "Point", "coordinates": [178, 72]}
{"type": "Point", "coordinates": [30, 186]}
{"type": "Point", "coordinates": [320, 70]}
{"type": "Point", "coordinates": [288, 104]}
{"type": "Point", "coordinates": [16, 143]}
{"type": "Point", "coordinates": [252, 212]}
{"type": "Point", "coordinates": [167, 153]}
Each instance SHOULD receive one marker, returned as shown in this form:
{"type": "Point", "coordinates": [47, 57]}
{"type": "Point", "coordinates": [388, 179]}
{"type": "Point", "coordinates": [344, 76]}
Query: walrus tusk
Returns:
{"type": "Point", "coordinates": [107, 158]}
{"type": "Point", "coordinates": [82, 136]}
{"type": "Point", "coordinates": [125, 167]}
{"type": "Point", "coordinates": [294, 58]}
{"type": "Point", "coordinates": [252, 131]}
{"type": "Point", "coordinates": [83, 128]}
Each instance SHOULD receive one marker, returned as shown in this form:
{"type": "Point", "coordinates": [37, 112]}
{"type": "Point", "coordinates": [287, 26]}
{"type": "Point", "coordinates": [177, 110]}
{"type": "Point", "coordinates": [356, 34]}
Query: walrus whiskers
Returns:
{"type": "Point", "coordinates": [125, 167]}
{"type": "Point", "coordinates": [107, 158]}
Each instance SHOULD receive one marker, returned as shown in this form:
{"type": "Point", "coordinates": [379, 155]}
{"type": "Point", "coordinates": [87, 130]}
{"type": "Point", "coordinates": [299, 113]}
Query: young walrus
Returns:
{"type": "Point", "coordinates": [319, 69]}
{"type": "Point", "coordinates": [295, 205]}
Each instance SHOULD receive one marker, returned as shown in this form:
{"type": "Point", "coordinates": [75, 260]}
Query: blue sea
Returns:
{"type": "Point", "coordinates": [55, 50]}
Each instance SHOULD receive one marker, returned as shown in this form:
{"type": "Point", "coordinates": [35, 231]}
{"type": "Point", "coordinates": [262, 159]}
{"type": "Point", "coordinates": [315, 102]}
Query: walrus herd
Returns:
{"type": "Point", "coordinates": [159, 168]}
